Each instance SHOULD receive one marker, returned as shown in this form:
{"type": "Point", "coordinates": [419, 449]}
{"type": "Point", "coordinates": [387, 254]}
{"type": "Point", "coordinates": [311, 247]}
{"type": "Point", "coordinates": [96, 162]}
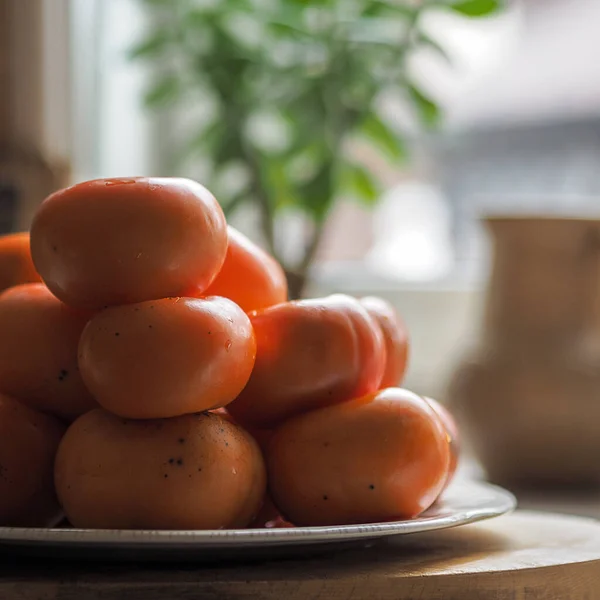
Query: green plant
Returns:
{"type": "Point", "coordinates": [313, 68]}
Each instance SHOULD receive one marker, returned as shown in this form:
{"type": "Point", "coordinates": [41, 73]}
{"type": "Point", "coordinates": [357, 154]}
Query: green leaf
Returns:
{"type": "Point", "coordinates": [308, 3]}
{"type": "Point", "coordinates": [378, 31]}
{"type": "Point", "coordinates": [197, 18]}
{"type": "Point", "coordinates": [204, 139]}
{"type": "Point", "coordinates": [164, 92]}
{"type": "Point", "coordinates": [425, 40]}
{"type": "Point", "coordinates": [383, 137]}
{"type": "Point", "coordinates": [376, 8]}
{"type": "Point", "coordinates": [232, 204]}
{"type": "Point", "coordinates": [316, 195]}
{"type": "Point", "coordinates": [360, 181]}
{"type": "Point", "coordinates": [428, 110]}
{"type": "Point", "coordinates": [151, 46]}
{"type": "Point", "coordinates": [288, 28]}
{"type": "Point", "coordinates": [274, 179]}
{"type": "Point", "coordinates": [303, 160]}
{"type": "Point", "coordinates": [476, 8]}
{"type": "Point", "coordinates": [288, 18]}
{"type": "Point", "coordinates": [228, 147]}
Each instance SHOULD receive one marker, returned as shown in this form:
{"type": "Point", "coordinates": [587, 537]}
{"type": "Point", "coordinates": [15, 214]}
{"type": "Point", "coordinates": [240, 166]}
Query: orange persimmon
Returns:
{"type": "Point", "coordinates": [169, 357]}
{"type": "Point", "coordinates": [16, 265]}
{"type": "Point", "coordinates": [39, 337]}
{"type": "Point", "coordinates": [395, 336]}
{"type": "Point", "coordinates": [453, 435]}
{"type": "Point", "coordinates": [249, 276]}
{"type": "Point", "coordinates": [119, 241]}
{"type": "Point", "coordinates": [28, 443]}
{"type": "Point", "coordinates": [190, 472]}
{"type": "Point", "coordinates": [381, 457]}
{"type": "Point", "coordinates": [310, 354]}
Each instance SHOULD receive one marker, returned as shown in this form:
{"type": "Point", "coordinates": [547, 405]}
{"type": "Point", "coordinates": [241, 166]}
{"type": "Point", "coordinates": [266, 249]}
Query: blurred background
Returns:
{"type": "Point", "coordinates": [360, 141]}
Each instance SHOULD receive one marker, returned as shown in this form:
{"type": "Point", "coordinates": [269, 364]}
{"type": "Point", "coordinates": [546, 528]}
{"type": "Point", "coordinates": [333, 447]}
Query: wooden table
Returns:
{"type": "Point", "coordinates": [523, 556]}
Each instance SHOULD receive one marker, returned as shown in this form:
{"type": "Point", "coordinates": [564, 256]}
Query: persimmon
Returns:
{"type": "Point", "coordinates": [267, 514]}
{"type": "Point", "coordinates": [169, 357]}
{"type": "Point", "coordinates": [16, 264]}
{"type": "Point", "coordinates": [395, 336]}
{"type": "Point", "coordinates": [119, 241]}
{"type": "Point", "coordinates": [279, 523]}
{"type": "Point", "coordinates": [381, 457]}
{"type": "Point", "coordinates": [190, 472]}
{"type": "Point", "coordinates": [222, 412]}
{"type": "Point", "coordinates": [310, 354]}
{"type": "Point", "coordinates": [262, 436]}
{"type": "Point", "coordinates": [453, 435]}
{"type": "Point", "coordinates": [39, 337]}
{"type": "Point", "coordinates": [269, 517]}
{"type": "Point", "coordinates": [249, 276]}
{"type": "Point", "coordinates": [28, 443]}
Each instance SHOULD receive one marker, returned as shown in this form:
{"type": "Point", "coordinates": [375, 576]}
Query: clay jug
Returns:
{"type": "Point", "coordinates": [529, 393]}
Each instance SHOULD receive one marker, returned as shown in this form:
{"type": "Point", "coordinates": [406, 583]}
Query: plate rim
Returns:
{"type": "Point", "coordinates": [504, 502]}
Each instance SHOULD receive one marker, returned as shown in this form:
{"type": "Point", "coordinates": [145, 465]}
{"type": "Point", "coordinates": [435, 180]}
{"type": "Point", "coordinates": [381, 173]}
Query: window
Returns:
{"type": "Point", "coordinates": [112, 133]}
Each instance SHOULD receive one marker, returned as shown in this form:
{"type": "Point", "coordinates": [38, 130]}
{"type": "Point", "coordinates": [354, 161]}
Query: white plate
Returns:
{"type": "Point", "coordinates": [464, 502]}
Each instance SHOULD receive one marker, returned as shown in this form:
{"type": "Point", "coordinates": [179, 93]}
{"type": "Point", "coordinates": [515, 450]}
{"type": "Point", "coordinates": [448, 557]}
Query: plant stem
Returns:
{"type": "Point", "coordinates": [267, 214]}
{"type": "Point", "coordinates": [296, 284]}
{"type": "Point", "coordinates": [299, 276]}
{"type": "Point", "coordinates": [267, 217]}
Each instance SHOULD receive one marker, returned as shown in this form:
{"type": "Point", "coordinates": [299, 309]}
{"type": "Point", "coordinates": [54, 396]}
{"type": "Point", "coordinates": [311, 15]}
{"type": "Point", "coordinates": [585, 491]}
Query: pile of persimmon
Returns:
{"type": "Point", "coordinates": [154, 375]}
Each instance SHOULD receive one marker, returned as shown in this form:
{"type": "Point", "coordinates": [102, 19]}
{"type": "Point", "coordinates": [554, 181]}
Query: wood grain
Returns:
{"type": "Point", "coordinates": [525, 556]}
